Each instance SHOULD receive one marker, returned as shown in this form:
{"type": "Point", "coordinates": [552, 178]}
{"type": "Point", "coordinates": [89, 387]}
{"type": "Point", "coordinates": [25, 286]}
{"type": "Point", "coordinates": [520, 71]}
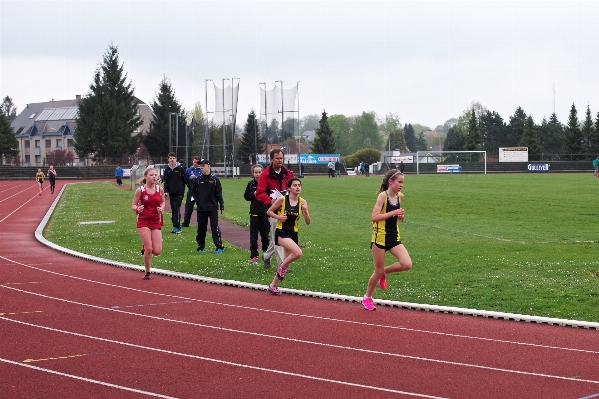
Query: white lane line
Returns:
{"type": "Point", "coordinates": [86, 379]}
{"type": "Point", "coordinates": [208, 359]}
{"type": "Point", "coordinates": [295, 340]}
{"type": "Point", "coordinates": [22, 205]}
{"type": "Point", "coordinates": [304, 315]}
{"type": "Point", "coordinates": [22, 191]}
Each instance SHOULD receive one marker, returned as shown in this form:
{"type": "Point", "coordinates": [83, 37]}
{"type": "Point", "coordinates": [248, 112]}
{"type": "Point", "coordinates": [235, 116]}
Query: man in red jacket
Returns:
{"type": "Point", "coordinates": [272, 180]}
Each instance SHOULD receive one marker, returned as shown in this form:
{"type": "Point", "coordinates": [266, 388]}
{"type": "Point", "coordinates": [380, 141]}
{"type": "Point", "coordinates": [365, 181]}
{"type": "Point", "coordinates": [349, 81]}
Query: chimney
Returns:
{"type": "Point", "coordinates": [78, 98]}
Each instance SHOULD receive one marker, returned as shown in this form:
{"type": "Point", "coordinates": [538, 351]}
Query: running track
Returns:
{"type": "Point", "coordinates": [73, 328]}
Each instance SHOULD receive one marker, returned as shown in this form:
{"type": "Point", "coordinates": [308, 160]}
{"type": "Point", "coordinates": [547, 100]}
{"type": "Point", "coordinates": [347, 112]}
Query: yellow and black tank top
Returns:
{"type": "Point", "coordinates": [293, 214]}
{"type": "Point", "coordinates": [386, 232]}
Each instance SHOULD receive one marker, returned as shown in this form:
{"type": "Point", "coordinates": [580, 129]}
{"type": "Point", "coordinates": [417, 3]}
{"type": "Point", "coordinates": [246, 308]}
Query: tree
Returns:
{"type": "Point", "coordinates": [368, 155]}
{"type": "Point", "coordinates": [454, 141]}
{"type": "Point", "coordinates": [340, 126]}
{"type": "Point", "coordinates": [410, 137]}
{"type": "Point", "coordinates": [493, 132]}
{"type": "Point", "coordinates": [166, 108]}
{"type": "Point", "coordinates": [530, 139]}
{"type": "Point", "coordinates": [108, 114]}
{"type": "Point", "coordinates": [572, 134]}
{"type": "Point", "coordinates": [60, 157]}
{"type": "Point", "coordinates": [323, 141]}
{"type": "Point", "coordinates": [309, 122]}
{"type": "Point", "coordinates": [516, 127]}
{"type": "Point", "coordinates": [594, 149]}
{"type": "Point", "coordinates": [9, 109]}
{"type": "Point", "coordinates": [587, 131]}
{"type": "Point", "coordinates": [252, 142]}
{"type": "Point", "coordinates": [197, 129]}
{"type": "Point", "coordinates": [551, 135]}
{"type": "Point", "coordinates": [474, 139]}
{"type": "Point", "coordinates": [395, 139]}
{"type": "Point", "coordinates": [365, 133]}
{"type": "Point", "coordinates": [9, 145]}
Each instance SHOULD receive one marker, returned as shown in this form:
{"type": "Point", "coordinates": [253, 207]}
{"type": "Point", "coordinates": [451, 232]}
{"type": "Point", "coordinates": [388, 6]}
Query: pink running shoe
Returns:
{"type": "Point", "coordinates": [254, 259]}
{"type": "Point", "coordinates": [368, 304]}
{"type": "Point", "coordinates": [281, 272]}
{"type": "Point", "coordinates": [274, 290]}
{"type": "Point", "coordinates": [383, 282]}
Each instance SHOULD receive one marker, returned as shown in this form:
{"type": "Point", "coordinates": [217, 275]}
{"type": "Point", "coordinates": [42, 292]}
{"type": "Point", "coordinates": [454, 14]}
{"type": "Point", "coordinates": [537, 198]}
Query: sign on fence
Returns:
{"type": "Point", "coordinates": [449, 169]}
{"type": "Point", "coordinates": [513, 154]}
{"type": "Point", "coordinates": [538, 167]}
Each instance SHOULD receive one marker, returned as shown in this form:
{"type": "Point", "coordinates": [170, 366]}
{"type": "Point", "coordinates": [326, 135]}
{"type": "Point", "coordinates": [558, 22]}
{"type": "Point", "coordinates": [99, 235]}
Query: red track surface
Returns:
{"type": "Point", "coordinates": [72, 328]}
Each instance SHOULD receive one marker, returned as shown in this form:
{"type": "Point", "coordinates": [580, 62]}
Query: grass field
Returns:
{"type": "Point", "coordinates": [521, 243]}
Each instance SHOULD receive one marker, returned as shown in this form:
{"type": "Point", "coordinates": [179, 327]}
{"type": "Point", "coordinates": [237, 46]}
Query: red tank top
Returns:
{"type": "Point", "coordinates": [150, 217]}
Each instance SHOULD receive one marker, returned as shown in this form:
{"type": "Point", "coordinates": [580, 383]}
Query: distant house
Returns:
{"type": "Point", "coordinates": [42, 128]}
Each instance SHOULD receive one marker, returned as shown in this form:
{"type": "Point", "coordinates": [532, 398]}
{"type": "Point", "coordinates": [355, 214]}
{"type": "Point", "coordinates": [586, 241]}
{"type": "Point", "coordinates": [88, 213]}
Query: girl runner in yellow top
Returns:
{"type": "Point", "coordinates": [288, 209]}
{"type": "Point", "coordinates": [39, 177]}
{"type": "Point", "coordinates": [386, 215]}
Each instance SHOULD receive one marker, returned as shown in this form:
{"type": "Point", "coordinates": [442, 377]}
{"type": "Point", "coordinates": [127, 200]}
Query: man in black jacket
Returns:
{"type": "Point", "coordinates": [175, 181]}
{"type": "Point", "coordinates": [208, 194]}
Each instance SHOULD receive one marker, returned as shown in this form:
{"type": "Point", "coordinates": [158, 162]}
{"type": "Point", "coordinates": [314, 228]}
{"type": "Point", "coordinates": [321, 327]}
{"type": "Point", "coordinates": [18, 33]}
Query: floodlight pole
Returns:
{"type": "Point", "coordinates": [299, 141]}
{"type": "Point", "coordinates": [206, 134]}
{"type": "Point", "coordinates": [224, 131]}
{"type": "Point", "coordinates": [265, 119]}
{"type": "Point", "coordinates": [282, 110]}
{"type": "Point", "coordinates": [233, 122]}
{"type": "Point", "coordinates": [170, 127]}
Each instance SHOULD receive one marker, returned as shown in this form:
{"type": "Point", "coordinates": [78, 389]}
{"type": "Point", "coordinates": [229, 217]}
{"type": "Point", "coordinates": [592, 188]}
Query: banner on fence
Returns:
{"type": "Point", "coordinates": [513, 154]}
{"type": "Point", "coordinates": [404, 159]}
{"type": "Point", "coordinates": [538, 167]}
{"type": "Point", "coordinates": [319, 159]}
{"type": "Point", "coordinates": [449, 168]}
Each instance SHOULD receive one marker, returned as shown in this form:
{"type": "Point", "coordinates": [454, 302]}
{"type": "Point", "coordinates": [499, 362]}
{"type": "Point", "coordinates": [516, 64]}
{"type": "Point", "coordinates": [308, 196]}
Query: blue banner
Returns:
{"type": "Point", "coordinates": [321, 159]}
{"type": "Point", "coordinates": [538, 167]}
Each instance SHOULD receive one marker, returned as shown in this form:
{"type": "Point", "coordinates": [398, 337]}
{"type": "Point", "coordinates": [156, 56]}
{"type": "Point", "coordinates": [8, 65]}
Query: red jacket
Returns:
{"type": "Point", "coordinates": [268, 182]}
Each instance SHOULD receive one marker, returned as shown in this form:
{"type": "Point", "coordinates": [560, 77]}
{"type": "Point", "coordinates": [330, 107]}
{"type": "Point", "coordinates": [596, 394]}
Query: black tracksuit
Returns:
{"type": "Point", "coordinates": [258, 219]}
{"type": "Point", "coordinates": [175, 182]}
{"type": "Point", "coordinates": [208, 194]}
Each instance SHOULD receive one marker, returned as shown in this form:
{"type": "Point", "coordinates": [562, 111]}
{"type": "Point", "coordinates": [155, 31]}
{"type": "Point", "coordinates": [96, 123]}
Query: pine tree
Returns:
{"type": "Point", "coordinates": [587, 131]}
{"type": "Point", "coordinates": [9, 109]}
{"type": "Point", "coordinates": [530, 139]}
{"type": "Point", "coordinates": [594, 148]}
{"type": "Point", "coordinates": [166, 108]}
{"type": "Point", "coordinates": [395, 139]}
{"type": "Point", "coordinates": [108, 114]}
{"type": "Point", "coordinates": [572, 134]}
{"type": "Point", "coordinates": [493, 131]}
{"type": "Point", "coordinates": [552, 135]}
{"type": "Point", "coordinates": [323, 141]}
{"type": "Point", "coordinates": [410, 137]}
{"type": "Point", "coordinates": [515, 129]}
{"type": "Point", "coordinates": [251, 140]}
{"type": "Point", "coordinates": [473, 139]}
{"type": "Point", "coordinates": [454, 141]}
{"type": "Point", "coordinates": [9, 146]}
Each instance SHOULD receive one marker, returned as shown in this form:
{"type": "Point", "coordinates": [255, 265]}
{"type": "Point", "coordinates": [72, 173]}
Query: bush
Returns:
{"type": "Point", "coordinates": [368, 155]}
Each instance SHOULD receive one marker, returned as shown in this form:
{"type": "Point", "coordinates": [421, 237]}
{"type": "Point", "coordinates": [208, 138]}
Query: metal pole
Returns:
{"type": "Point", "coordinates": [177, 138]}
{"type": "Point", "coordinates": [187, 144]}
{"type": "Point", "coordinates": [170, 127]}
{"type": "Point", "coordinates": [224, 131]}
{"type": "Point", "coordinates": [265, 119]}
{"type": "Point", "coordinates": [299, 141]}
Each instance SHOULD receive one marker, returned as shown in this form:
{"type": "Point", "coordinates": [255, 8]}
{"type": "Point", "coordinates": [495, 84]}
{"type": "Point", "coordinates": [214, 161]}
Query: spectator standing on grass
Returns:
{"type": "Point", "coordinates": [362, 167]}
{"type": "Point", "coordinates": [331, 167]}
{"type": "Point", "coordinates": [272, 183]}
{"type": "Point", "coordinates": [175, 181]}
{"type": "Point", "coordinates": [337, 169]}
{"type": "Point", "coordinates": [287, 210]}
{"type": "Point", "coordinates": [193, 172]}
{"type": "Point", "coordinates": [52, 178]}
{"type": "Point", "coordinates": [148, 203]}
{"type": "Point", "coordinates": [386, 215]}
{"type": "Point", "coordinates": [118, 173]}
{"type": "Point", "coordinates": [258, 219]}
{"type": "Point", "coordinates": [402, 167]}
{"type": "Point", "coordinates": [39, 177]}
{"type": "Point", "coordinates": [208, 194]}
{"type": "Point", "coordinates": [366, 169]}
{"type": "Point", "coordinates": [596, 165]}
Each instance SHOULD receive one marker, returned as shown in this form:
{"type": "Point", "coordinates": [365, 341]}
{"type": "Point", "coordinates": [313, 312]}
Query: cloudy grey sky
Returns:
{"type": "Point", "coordinates": [425, 61]}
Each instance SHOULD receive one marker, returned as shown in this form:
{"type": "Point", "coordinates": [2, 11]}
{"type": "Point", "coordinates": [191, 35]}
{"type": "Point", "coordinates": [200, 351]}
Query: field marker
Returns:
{"type": "Point", "coordinates": [51, 358]}
{"type": "Point", "coordinates": [98, 222]}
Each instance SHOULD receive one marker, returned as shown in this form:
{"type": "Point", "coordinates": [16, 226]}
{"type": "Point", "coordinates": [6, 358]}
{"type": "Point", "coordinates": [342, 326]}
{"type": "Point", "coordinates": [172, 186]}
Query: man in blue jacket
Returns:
{"type": "Point", "coordinates": [193, 173]}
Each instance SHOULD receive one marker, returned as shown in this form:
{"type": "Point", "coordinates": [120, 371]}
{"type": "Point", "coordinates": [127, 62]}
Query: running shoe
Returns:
{"type": "Point", "coordinates": [219, 251]}
{"type": "Point", "coordinates": [383, 282]}
{"type": "Point", "coordinates": [143, 249]}
{"type": "Point", "coordinates": [178, 230]}
{"type": "Point", "coordinates": [280, 272]}
{"type": "Point", "coordinates": [266, 262]}
{"type": "Point", "coordinates": [201, 250]}
{"type": "Point", "coordinates": [274, 290]}
{"type": "Point", "coordinates": [254, 259]}
{"type": "Point", "coordinates": [368, 303]}
{"type": "Point", "coordinates": [147, 276]}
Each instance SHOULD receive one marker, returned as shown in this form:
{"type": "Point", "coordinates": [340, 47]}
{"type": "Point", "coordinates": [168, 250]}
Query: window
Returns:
{"type": "Point", "coordinates": [48, 144]}
{"type": "Point", "coordinates": [58, 143]}
{"type": "Point", "coordinates": [38, 158]}
{"type": "Point", "coordinates": [37, 144]}
{"type": "Point", "coordinates": [70, 143]}
{"type": "Point", "coordinates": [27, 158]}
{"type": "Point", "coordinates": [27, 144]}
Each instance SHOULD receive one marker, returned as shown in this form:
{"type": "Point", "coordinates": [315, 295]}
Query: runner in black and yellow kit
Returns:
{"type": "Point", "coordinates": [386, 215]}
{"type": "Point", "coordinates": [287, 210]}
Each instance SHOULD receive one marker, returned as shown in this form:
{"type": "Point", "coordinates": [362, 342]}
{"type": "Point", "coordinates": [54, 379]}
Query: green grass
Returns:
{"type": "Point", "coordinates": [522, 243]}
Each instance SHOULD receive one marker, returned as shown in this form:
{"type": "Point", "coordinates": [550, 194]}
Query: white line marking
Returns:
{"type": "Point", "coordinates": [208, 359]}
{"type": "Point", "coordinates": [300, 314]}
{"type": "Point", "coordinates": [86, 379]}
{"type": "Point", "coordinates": [22, 205]}
{"type": "Point", "coordinates": [28, 188]}
{"type": "Point", "coordinates": [447, 362]}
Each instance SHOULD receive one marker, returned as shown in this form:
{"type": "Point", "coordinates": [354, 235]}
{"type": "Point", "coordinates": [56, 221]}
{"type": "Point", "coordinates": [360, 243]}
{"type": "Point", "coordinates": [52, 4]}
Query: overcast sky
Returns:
{"type": "Point", "coordinates": [424, 61]}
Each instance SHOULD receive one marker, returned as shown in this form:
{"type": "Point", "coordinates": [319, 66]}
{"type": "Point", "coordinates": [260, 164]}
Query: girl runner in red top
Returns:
{"type": "Point", "coordinates": [148, 203]}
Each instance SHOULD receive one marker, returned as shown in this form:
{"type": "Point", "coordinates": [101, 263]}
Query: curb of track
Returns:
{"type": "Point", "coordinates": [396, 304]}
